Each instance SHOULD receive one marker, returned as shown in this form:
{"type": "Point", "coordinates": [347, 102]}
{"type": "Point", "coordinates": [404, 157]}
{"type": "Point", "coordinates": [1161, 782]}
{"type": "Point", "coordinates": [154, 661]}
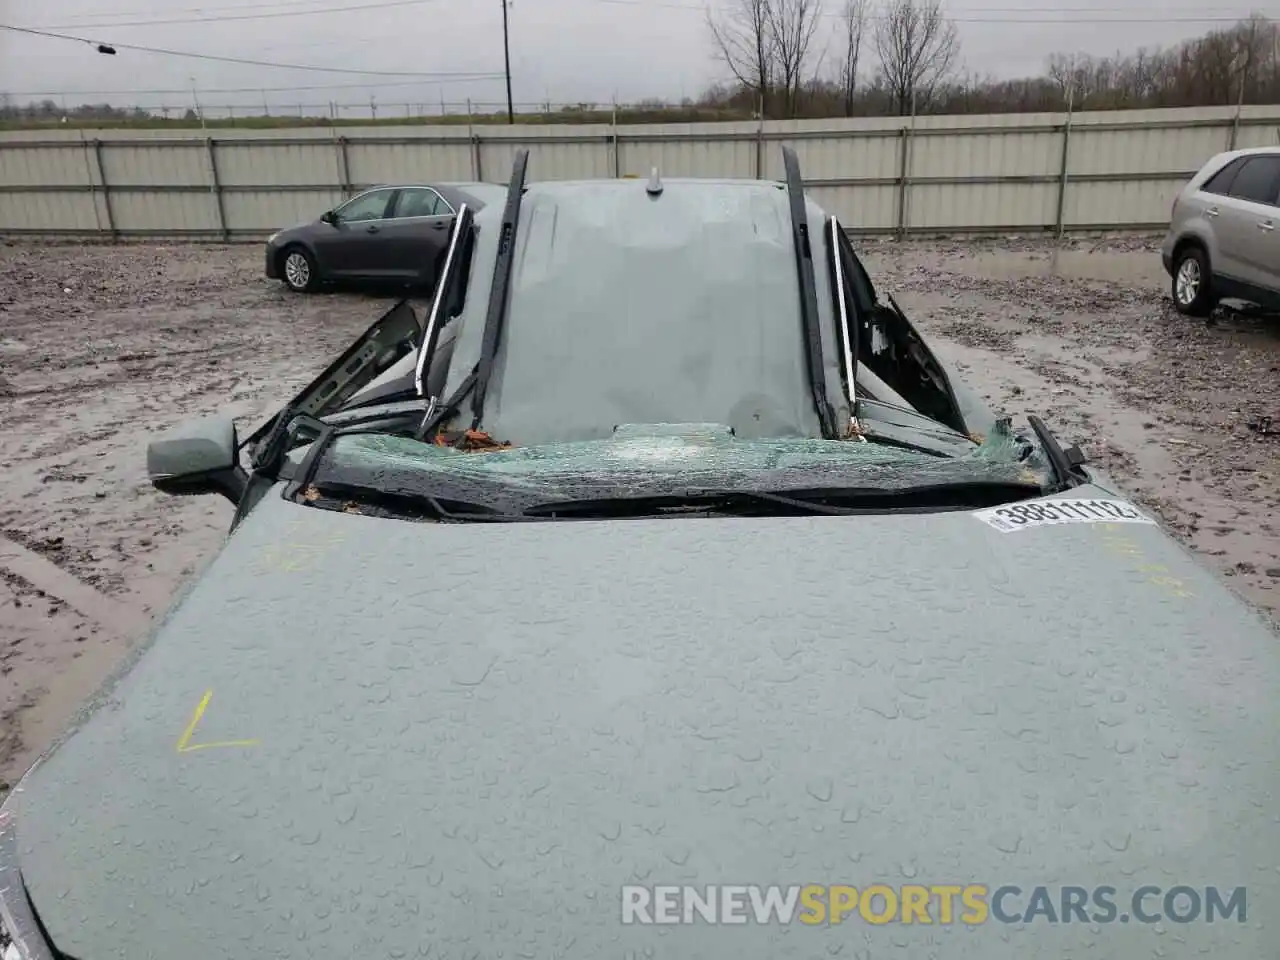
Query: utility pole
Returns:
{"type": "Point", "coordinates": [506, 53]}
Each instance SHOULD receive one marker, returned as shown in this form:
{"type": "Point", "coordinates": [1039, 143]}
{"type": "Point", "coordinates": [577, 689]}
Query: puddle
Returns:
{"type": "Point", "coordinates": [1141, 269]}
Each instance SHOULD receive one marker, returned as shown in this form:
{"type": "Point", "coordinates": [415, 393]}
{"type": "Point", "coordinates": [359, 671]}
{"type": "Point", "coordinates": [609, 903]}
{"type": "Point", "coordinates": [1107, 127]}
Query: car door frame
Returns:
{"type": "Point", "coordinates": [415, 245]}
{"type": "Point", "coordinates": [1202, 212]}
{"type": "Point", "coordinates": [1252, 233]}
{"type": "Point", "coordinates": [888, 345]}
{"type": "Point", "coordinates": [340, 252]}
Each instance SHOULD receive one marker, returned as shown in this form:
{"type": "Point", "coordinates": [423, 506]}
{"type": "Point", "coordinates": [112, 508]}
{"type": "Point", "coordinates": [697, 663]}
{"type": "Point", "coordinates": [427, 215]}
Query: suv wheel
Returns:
{"type": "Point", "coordinates": [1192, 283]}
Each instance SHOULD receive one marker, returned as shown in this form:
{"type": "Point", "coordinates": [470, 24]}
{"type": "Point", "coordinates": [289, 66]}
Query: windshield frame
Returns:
{"type": "Point", "coordinates": [845, 330]}
{"type": "Point", "coordinates": [455, 266]}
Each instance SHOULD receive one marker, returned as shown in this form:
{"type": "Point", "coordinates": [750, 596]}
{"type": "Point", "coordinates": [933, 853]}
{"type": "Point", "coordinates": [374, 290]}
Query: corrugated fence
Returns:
{"type": "Point", "coordinates": [1019, 172]}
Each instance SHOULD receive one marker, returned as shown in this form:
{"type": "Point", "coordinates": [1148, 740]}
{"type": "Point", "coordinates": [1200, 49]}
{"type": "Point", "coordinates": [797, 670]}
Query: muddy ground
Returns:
{"type": "Point", "coordinates": [100, 346]}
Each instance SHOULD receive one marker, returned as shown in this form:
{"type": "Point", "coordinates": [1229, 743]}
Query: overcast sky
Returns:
{"type": "Point", "coordinates": [561, 50]}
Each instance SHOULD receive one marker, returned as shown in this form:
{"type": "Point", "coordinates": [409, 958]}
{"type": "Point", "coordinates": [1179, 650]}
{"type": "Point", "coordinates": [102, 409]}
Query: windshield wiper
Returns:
{"type": "Point", "coordinates": [1065, 463]}
{"type": "Point", "coordinates": [809, 318]}
{"type": "Point", "coordinates": [497, 314]}
{"type": "Point", "coordinates": [826, 501]}
{"type": "Point", "coordinates": [940, 450]}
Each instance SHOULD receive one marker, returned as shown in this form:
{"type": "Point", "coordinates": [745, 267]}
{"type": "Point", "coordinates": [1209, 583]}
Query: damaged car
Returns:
{"type": "Point", "coordinates": [662, 553]}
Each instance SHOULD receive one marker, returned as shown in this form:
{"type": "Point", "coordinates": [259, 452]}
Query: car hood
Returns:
{"type": "Point", "coordinates": [366, 737]}
{"type": "Point", "coordinates": [295, 231]}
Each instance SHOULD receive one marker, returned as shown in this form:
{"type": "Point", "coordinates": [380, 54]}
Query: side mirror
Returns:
{"type": "Point", "coordinates": [198, 457]}
{"type": "Point", "coordinates": [329, 217]}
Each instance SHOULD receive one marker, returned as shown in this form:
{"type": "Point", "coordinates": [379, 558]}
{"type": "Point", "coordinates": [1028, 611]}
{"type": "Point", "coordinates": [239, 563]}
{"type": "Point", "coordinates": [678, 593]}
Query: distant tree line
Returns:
{"type": "Point", "coordinates": [48, 111]}
{"type": "Point", "coordinates": [906, 57]}
{"type": "Point", "coordinates": [903, 59]}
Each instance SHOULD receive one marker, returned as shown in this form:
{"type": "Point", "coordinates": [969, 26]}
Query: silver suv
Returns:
{"type": "Point", "coordinates": [1222, 240]}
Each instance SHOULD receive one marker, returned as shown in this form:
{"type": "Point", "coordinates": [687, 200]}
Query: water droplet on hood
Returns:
{"type": "Point", "coordinates": [1007, 842]}
{"type": "Point", "coordinates": [820, 789]}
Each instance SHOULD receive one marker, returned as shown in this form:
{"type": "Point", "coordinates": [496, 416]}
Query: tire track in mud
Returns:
{"type": "Point", "coordinates": [43, 574]}
{"type": "Point", "coordinates": [149, 335]}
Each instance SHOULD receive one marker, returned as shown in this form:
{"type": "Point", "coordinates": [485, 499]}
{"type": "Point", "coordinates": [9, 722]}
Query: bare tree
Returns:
{"type": "Point", "coordinates": [743, 34]}
{"type": "Point", "coordinates": [1061, 73]}
{"type": "Point", "coordinates": [854, 25]}
{"type": "Point", "coordinates": [917, 47]}
{"type": "Point", "coordinates": [1217, 62]}
{"type": "Point", "coordinates": [1252, 40]}
{"type": "Point", "coordinates": [792, 24]}
{"type": "Point", "coordinates": [1075, 76]}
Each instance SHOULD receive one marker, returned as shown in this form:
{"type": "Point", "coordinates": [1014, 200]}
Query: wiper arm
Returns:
{"type": "Point", "coordinates": [1065, 463]}
{"type": "Point", "coordinates": [497, 312]}
{"type": "Point", "coordinates": [941, 451]}
{"type": "Point", "coordinates": [476, 385]}
{"type": "Point", "coordinates": [414, 504]}
{"type": "Point", "coordinates": [809, 318]}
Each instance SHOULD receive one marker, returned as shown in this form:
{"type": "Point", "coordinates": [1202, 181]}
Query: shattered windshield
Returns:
{"type": "Point", "coordinates": [667, 461]}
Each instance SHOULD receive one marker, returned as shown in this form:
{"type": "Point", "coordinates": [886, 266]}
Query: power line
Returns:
{"type": "Point", "coordinates": [1103, 9]}
{"type": "Point", "coordinates": [1060, 21]}
{"type": "Point", "coordinates": [249, 16]}
{"type": "Point", "coordinates": [202, 9]}
{"type": "Point", "coordinates": [1106, 8]}
{"type": "Point", "coordinates": [1036, 14]}
{"type": "Point", "coordinates": [254, 63]}
{"type": "Point", "coordinates": [371, 85]}
{"type": "Point", "coordinates": [1217, 18]}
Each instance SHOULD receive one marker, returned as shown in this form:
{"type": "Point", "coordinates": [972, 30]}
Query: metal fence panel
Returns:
{"type": "Point", "coordinates": [858, 156]}
{"type": "Point", "coordinates": [688, 158]}
{"type": "Point", "coordinates": [1145, 203]}
{"type": "Point", "coordinates": [157, 165]}
{"type": "Point", "coordinates": [284, 164]}
{"type": "Point", "coordinates": [146, 213]}
{"type": "Point", "coordinates": [52, 212]}
{"type": "Point", "coordinates": [1261, 135]}
{"type": "Point", "coordinates": [560, 159]}
{"type": "Point", "coordinates": [860, 209]}
{"type": "Point", "coordinates": [260, 212]}
{"type": "Point", "coordinates": [1150, 150]}
{"type": "Point", "coordinates": [947, 206]}
{"type": "Point", "coordinates": [1012, 154]}
{"type": "Point", "coordinates": [404, 161]}
{"type": "Point", "coordinates": [48, 166]}
{"type": "Point", "coordinates": [1111, 170]}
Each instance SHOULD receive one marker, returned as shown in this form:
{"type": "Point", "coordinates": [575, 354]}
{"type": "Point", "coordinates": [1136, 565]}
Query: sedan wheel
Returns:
{"type": "Point", "coordinates": [299, 270]}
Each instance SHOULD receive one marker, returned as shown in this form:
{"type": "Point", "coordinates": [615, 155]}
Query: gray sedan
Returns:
{"type": "Point", "coordinates": [389, 233]}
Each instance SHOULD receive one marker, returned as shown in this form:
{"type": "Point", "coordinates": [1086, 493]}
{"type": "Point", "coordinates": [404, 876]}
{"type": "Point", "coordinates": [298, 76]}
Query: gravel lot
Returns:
{"type": "Point", "coordinates": [100, 346]}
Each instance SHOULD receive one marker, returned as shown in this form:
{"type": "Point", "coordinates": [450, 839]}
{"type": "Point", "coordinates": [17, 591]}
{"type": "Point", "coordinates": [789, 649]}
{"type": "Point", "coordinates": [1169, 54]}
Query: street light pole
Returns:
{"type": "Point", "coordinates": [195, 97]}
{"type": "Point", "coordinates": [506, 53]}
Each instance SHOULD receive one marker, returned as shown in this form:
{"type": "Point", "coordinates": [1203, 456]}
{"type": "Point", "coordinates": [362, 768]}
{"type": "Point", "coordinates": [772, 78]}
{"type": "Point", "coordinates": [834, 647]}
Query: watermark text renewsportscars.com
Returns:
{"type": "Point", "coordinates": [969, 904]}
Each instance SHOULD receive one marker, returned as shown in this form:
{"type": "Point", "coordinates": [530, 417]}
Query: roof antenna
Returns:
{"type": "Point", "coordinates": [654, 187]}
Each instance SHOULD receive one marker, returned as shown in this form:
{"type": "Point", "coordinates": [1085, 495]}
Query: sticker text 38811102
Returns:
{"type": "Point", "coordinates": [1039, 513]}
